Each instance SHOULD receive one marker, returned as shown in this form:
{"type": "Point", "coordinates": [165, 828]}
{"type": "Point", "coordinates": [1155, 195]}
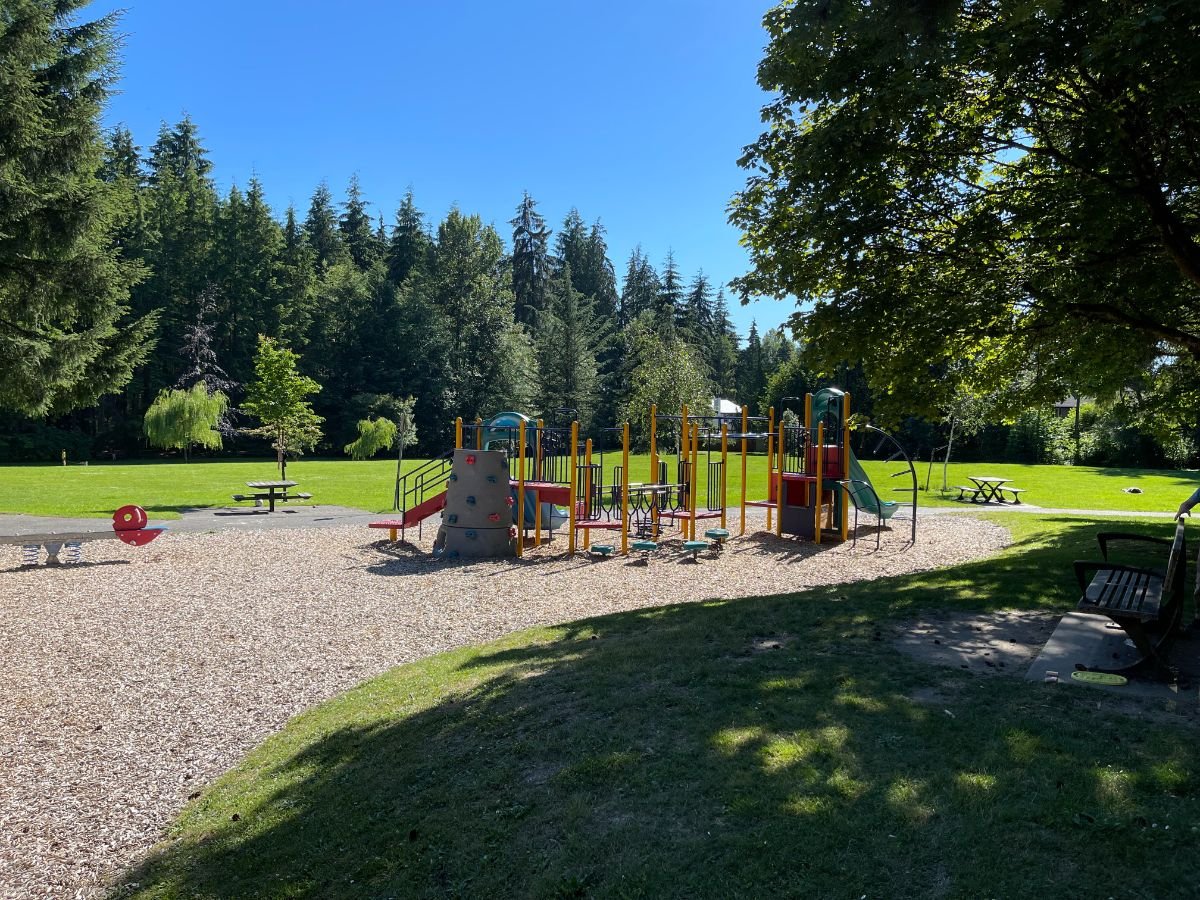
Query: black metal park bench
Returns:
{"type": "Point", "coordinates": [1145, 600]}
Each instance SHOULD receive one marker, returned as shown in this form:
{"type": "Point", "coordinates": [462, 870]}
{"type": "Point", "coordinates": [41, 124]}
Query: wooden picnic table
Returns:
{"type": "Point", "coordinates": [269, 491]}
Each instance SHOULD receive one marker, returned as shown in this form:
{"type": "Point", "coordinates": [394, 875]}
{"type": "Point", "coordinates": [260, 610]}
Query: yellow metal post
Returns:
{"type": "Point", "coordinates": [745, 445]}
{"type": "Point", "coordinates": [521, 493]}
{"type": "Point", "coordinates": [458, 433]}
{"type": "Point", "coordinates": [574, 482]}
{"type": "Point", "coordinates": [724, 469]}
{"type": "Point", "coordinates": [653, 445]}
{"type": "Point", "coordinates": [779, 481]}
{"type": "Point", "coordinates": [625, 490]}
{"type": "Point", "coordinates": [819, 500]}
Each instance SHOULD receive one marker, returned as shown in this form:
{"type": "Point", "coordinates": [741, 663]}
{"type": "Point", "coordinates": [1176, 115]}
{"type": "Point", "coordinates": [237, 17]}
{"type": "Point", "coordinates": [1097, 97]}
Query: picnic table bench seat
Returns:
{"type": "Point", "coordinates": [966, 492]}
{"type": "Point", "coordinates": [1016, 492]}
{"type": "Point", "coordinates": [1145, 600]}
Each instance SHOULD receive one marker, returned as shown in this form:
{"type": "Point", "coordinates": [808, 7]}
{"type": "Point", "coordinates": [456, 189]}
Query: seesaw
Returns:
{"type": "Point", "coordinates": [129, 525]}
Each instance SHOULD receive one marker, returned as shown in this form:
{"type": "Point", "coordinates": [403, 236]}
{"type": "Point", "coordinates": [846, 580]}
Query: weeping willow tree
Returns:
{"type": "Point", "coordinates": [179, 420]}
{"type": "Point", "coordinates": [373, 435]}
{"type": "Point", "coordinates": [384, 434]}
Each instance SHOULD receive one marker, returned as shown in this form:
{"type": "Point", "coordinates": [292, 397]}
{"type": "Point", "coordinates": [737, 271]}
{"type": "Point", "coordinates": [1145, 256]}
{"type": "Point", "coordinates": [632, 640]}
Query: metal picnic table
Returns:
{"type": "Point", "coordinates": [275, 490]}
{"type": "Point", "coordinates": [989, 487]}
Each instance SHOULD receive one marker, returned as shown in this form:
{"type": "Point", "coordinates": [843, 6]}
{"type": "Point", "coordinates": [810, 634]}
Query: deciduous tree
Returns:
{"type": "Point", "coordinates": [1000, 182]}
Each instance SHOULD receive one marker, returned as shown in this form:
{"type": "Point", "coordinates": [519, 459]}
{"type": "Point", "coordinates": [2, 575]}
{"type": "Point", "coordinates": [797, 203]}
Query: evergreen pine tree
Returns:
{"type": "Point", "coordinates": [321, 231]}
{"type": "Point", "coordinates": [530, 261]}
{"type": "Point", "coordinates": [354, 226]}
{"type": "Point", "coordinates": [669, 310]}
{"type": "Point", "coordinates": [698, 313]}
{"type": "Point", "coordinates": [752, 377]}
{"type": "Point", "coordinates": [723, 349]}
{"type": "Point", "coordinates": [410, 245]}
{"type": "Point", "coordinates": [294, 310]}
{"type": "Point", "coordinates": [640, 289]}
{"type": "Point", "coordinates": [568, 338]}
{"type": "Point", "coordinates": [64, 335]}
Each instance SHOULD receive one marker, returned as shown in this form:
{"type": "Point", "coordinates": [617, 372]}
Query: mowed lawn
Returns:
{"type": "Point", "coordinates": [164, 488]}
{"type": "Point", "coordinates": [767, 747]}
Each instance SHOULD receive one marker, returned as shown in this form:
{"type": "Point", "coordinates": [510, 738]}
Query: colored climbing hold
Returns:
{"type": "Point", "coordinates": [470, 459]}
{"type": "Point", "coordinates": [509, 501]}
{"type": "Point", "coordinates": [471, 535]}
{"type": "Point", "coordinates": [491, 479]}
{"type": "Point", "coordinates": [453, 477]}
{"type": "Point", "coordinates": [494, 517]}
{"type": "Point", "coordinates": [451, 519]}
{"type": "Point", "coordinates": [470, 501]}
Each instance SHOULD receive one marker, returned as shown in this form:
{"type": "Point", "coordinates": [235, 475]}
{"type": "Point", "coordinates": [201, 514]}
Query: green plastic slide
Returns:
{"type": "Point", "coordinates": [864, 496]}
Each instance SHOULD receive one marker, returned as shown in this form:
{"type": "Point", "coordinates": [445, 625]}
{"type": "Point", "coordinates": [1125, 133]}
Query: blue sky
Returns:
{"type": "Point", "coordinates": [635, 113]}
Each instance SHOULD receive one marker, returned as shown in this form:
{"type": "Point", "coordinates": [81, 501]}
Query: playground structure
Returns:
{"type": "Point", "coordinates": [558, 478]}
{"type": "Point", "coordinates": [129, 525]}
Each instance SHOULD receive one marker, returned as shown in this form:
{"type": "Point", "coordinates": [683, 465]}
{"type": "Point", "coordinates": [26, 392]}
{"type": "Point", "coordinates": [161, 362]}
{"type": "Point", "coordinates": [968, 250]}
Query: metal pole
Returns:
{"type": "Point", "coordinates": [771, 464]}
{"type": "Point", "coordinates": [625, 490]}
{"type": "Point", "coordinates": [574, 482]}
{"type": "Point", "coordinates": [820, 465]}
{"type": "Point", "coordinates": [520, 492]}
{"type": "Point", "coordinates": [725, 469]}
{"type": "Point", "coordinates": [745, 424]}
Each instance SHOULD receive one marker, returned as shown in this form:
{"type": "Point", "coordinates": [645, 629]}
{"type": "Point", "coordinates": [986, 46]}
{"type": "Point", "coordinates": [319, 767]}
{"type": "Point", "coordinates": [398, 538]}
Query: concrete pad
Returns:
{"type": "Point", "coordinates": [1096, 642]}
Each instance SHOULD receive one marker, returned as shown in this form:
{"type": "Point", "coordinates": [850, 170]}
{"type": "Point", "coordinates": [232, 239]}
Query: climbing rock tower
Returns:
{"type": "Point", "coordinates": [477, 520]}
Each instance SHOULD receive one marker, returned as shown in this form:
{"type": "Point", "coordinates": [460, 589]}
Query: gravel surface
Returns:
{"type": "Point", "coordinates": [132, 680]}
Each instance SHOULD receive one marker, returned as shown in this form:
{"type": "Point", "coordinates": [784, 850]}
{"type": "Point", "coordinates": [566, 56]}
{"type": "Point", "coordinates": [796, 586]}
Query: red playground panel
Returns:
{"type": "Point", "coordinates": [424, 510]}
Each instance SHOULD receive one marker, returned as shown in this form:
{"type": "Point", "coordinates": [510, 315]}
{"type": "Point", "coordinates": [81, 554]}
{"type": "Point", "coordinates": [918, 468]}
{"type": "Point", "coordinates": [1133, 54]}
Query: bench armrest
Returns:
{"type": "Point", "coordinates": [1105, 537]}
{"type": "Point", "coordinates": [1085, 570]}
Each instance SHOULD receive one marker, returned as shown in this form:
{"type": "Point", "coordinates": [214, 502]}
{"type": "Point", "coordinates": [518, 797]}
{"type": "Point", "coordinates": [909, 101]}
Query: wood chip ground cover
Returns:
{"type": "Point", "coordinates": [134, 679]}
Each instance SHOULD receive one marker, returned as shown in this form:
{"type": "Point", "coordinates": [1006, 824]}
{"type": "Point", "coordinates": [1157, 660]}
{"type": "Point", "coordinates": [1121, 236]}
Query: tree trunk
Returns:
{"type": "Point", "coordinates": [946, 461]}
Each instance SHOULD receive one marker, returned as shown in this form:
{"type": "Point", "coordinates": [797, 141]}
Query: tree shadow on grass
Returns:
{"type": "Point", "coordinates": [759, 747]}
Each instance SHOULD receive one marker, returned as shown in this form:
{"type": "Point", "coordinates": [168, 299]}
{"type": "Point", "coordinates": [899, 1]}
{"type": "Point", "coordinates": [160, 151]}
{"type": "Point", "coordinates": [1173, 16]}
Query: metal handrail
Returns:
{"type": "Point", "coordinates": [429, 475]}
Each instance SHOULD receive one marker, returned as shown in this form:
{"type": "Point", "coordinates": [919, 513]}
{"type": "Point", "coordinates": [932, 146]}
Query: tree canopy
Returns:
{"type": "Point", "coordinates": [65, 337]}
{"type": "Point", "coordinates": [1008, 183]}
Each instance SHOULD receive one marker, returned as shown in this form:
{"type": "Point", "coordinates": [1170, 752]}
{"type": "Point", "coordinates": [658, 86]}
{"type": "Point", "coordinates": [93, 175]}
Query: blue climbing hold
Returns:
{"type": "Point", "coordinates": [453, 477]}
{"type": "Point", "coordinates": [451, 519]}
{"type": "Point", "coordinates": [471, 535]}
{"type": "Point", "coordinates": [491, 479]}
{"type": "Point", "coordinates": [470, 501]}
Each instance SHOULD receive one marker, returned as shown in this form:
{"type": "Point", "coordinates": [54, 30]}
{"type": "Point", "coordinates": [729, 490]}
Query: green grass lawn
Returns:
{"type": "Point", "coordinates": [163, 488]}
{"type": "Point", "coordinates": [672, 753]}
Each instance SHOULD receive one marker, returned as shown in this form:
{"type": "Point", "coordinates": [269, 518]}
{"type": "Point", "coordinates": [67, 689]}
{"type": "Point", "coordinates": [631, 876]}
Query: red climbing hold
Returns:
{"type": "Point", "coordinates": [494, 517]}
{"type": "Point", "coordinates": [509, 500]}
{"type": "Point", "coordinates": [470, 460]}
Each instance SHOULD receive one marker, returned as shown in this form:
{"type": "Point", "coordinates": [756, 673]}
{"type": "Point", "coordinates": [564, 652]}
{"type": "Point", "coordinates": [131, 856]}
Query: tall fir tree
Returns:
{"type": "Point", "coordinates": [182, 211]}
{"type": "Point", "coordinates": [698, 313]}
{"type": "Point", "coordinates": [530, 261]}
{"type": "Point", "coordinates": [639, 290]}
{"type": "Point", "coordinates": [669, 310]}
{"type": "Point", "coordinates": [297, 276]}
{"type": "Point", "coordinates": [65, 336]}
{"type": "Point", "coordinates": [568, 340]}
{"type": "Point", "coordinates": [321, 231]}
{"type": "Point", "coordinates": [751, 374]}
{"type": "Point", "coordinates": [410, 244]}
{"type": "Point", "coordinates": [361, 242]}
{"type": "Point", "coordinates": [723, 349]}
